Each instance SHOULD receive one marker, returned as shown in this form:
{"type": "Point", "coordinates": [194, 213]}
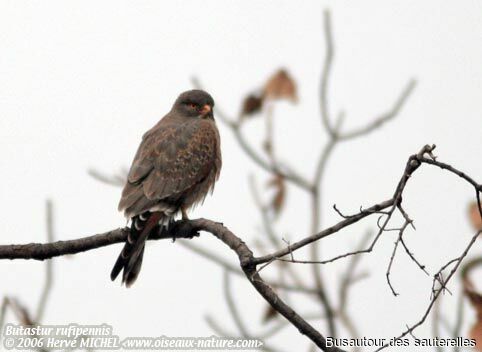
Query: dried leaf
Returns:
{"type": "Point", "coordinates": [476, 334]}
{"type": "Point", "coordinates": [280, 86]}
{"type": "Point", "coordinates": [278, 200]}
{"type": "Point", "coordinates": [269, 314]}
{"type": "Point", "coordinates": [474, 216]}
{"type": "Point", "coordinates": [251, 104]}
{"type": "Point", "coordinates": [475, 299]}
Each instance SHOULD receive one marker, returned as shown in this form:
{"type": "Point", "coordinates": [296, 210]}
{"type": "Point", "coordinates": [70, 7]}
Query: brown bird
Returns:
{"type": "Point", "coordinates": [176, 165]}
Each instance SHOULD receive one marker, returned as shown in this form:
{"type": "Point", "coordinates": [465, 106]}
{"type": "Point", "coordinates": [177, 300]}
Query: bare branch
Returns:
{"type": "Point", "coordinates": [327, 64]}
{"type": "Point", "coordinates": [39, 251]}
{"type": "Point", "coordinates": [236, 270]}
{"type": "Point", "coordinates": [232, 306]}
{"type": "Point", "coordinates": [249, 263]}
{"type": "Point", "coordinates": [326, 72]}
{"type": "Point", "coordinates": [457, 330]}
{"type": "Point", "coordinates": [3, 312]}
{"type": "Point", "coordinates": [412, 165]}
{"type": "Point", "coordinates": [435, 323]}
{"type": "Point", "coordinates": [181, 229]}
{"type": "Point", "coordinates": [284, 323]}
{"type": "Point", "coordinates": [246, 260]}
{"type": "Point", "coordinates": [48, 265]}
{"type": "Point", "coordinates": [437, 292]}
{"type": "Point", "coordinates": [325, 233]}
{"type": "Point", "coordinates": [382, 119]}
{"type": "Point", "coordinates": [392, 257]}
{"type": "Point", "coordinates": [270, 232]}
{"type": "Point", "coordinates": [116, 180]}
{"type": "Point", "coordinates": [335, 136]}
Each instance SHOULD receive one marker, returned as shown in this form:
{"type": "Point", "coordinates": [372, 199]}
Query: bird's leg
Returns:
{"type": "Point", "coordinates": [183, 227]}
{"type": "Point", "coordinates": [184, 218]}
{"type": "Point", "coordinates": [184, 213]}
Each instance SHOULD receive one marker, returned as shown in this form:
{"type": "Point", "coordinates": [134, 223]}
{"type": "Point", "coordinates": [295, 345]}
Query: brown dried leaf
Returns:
{"type": "Point", "coordinates": [278, 182]}
{"type": "Point", "coordinates": [475, 299]}
{"type": "Point", "coordinates": [476, 334]}
{"type": "Point", "coordinates": [251, 105]}
{"type": "Point", "coordinates": [474, 216]}
{"type": "Point", "coordinates": [269, 314]}
{"type": "Point", "coordinates": [280, 86]}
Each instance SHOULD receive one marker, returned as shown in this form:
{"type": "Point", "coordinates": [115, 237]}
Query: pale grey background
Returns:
{"type": "Point", "coordinates": [81, 81]}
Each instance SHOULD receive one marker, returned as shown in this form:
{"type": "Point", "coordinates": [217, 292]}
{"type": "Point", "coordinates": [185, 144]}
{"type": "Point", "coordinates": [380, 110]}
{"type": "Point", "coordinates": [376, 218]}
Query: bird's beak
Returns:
{"type": "Point", "coordinates": [206, 109]}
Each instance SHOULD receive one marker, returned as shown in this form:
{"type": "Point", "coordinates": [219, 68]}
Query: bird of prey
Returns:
{"type": "Point", "coordinates": [176, 165]}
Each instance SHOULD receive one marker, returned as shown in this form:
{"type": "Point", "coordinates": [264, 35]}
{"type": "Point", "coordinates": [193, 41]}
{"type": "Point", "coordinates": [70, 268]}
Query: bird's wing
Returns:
{"type": "Point", "coordinates": [171, 159]}
{"type": "Point", "coordinates": [143, 162]}
{"type": "Point", "coordinates": [183, 159]}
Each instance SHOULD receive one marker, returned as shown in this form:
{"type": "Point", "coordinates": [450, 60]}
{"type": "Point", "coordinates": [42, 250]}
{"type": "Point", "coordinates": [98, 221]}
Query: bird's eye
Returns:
{"type": "Point", "coordinates": [192, 105]}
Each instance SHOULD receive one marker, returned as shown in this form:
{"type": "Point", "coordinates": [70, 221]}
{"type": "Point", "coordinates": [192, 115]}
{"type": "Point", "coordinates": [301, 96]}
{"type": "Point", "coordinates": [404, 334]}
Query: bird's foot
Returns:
{"type": "Point", "coordinates": [183, 229]}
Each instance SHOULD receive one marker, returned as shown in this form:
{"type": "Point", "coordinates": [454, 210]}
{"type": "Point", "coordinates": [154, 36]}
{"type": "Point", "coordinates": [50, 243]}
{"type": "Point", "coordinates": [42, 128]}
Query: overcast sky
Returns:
{"type": "Point", "coordinates": [80, 82]}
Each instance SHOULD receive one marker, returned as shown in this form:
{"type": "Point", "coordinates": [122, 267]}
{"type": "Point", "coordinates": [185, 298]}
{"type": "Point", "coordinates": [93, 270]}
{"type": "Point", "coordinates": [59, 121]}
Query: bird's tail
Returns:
{"type": "Point", "coordinates": [130, 258]}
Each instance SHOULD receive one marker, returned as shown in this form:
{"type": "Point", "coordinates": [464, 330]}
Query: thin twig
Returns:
{"type": "Point", "coordinates": [325, 75]}
{"type": "Point", "coordinates": [382, 119]}
{"type": "Point", "coordinates": [232, 306]}
{"type": "Point", "coordinates": [437, 292]}
{"type": "Point", "coordinates": [48, 265]}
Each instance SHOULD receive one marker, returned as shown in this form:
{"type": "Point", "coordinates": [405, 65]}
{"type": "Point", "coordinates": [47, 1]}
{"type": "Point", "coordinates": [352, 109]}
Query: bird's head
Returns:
{"type": "Point", "coordinates": [195, 103]}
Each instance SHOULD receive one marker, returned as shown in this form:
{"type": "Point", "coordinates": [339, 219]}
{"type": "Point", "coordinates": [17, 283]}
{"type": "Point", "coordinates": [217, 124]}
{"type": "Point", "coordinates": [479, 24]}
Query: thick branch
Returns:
{"type": "Point", "coordinates": [181, 229]}
{"type": "Point", "coordinates": [245, 256]}
{"type": "Point", "coordinates": [42, 251]}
